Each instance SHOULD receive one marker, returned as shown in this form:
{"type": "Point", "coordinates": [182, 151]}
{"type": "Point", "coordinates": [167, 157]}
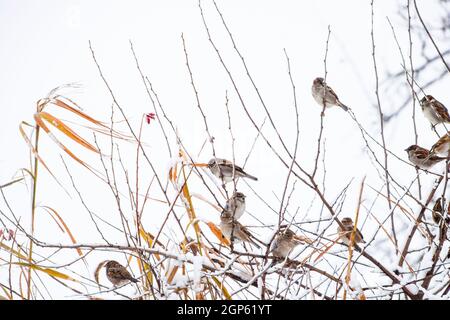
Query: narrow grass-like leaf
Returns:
{"type": "Point", "coordinates": [10, 183]}
{"type": "Point", "coordinates": [42, 125]}
{"type": "Point", "coordinates": [50, 272]}
{"type": "Point", "coordinates": [34, 152]}
{"type": "Point", "coordinates": [97, 271]}
{"type": "Point", "coordinates": [61, 126]}
{"type": "Point", "coordinates": [221, 286]}
{"type": "Point", "coordinates": [216, 231]}
{"type": "Point", "coordinates": [16, 253]}
{"type": "Point", "coordinates": [64, 226]}
{"type": "Point", "coordinates": [149, 239]}
{"type": "Point", "coordinates": [172, 274]}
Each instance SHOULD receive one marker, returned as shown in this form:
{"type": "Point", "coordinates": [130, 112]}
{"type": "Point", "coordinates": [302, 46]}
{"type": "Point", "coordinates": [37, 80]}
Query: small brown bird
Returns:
{"type": "Point", "coordinates": [323, 94]}
{"type": "Point", "coordinates": [346, 232]}
{"type": "Point", "coordinates": [223, 169]}
{"type": "Point", "coordinates": [434, 111]}
{"type": "Point", "coordinates": [118, 274]}
{"type": "Point", "coordinates": [230, 227]}
{"type": "Point", "coordinates": [442, 146]}
{"type": "Point", "coordinates": [285, 241]}
{"type": "Point", "coordinates": [438, 212]}
{"type": "Point", "coordinates": [421, 157]}
{"type": "Point", "coordinates": [236, 205]}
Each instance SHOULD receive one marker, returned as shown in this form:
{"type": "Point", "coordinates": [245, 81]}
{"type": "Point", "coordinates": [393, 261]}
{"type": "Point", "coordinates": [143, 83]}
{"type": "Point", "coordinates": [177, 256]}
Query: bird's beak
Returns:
{"type": "Point", "coordinates": [200, 164]}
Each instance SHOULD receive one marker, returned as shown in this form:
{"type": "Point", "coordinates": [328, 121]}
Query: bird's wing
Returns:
{"type": "Point", "coordinates": [438, 205]}
{"type": "Point", "coordinates": [422, 153]}
{"type": "Point", "coordinates": [440, 110]}
{"type": "Point", "coordinates": [331, 91]}
{"type": "Point", "coordinates": [122, 273]}
{"type": "Point", "coordinates": [240, 170]}
{"type": "Point", "coordinates": [442, 140]}
{"type": "Point", "coordinates": [227, 168]}
{"type": "Point", "coordinates": [224, 162]}
{"type": "Point", "coordinates": [359, 234]}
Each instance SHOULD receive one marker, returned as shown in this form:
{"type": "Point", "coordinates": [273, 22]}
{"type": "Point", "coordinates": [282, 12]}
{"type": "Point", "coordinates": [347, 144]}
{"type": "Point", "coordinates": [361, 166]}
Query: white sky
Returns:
{"type": "Point", "coordinates": [44, 44]}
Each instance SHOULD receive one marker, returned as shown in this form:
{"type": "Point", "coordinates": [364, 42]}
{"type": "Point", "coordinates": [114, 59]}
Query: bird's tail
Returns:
{"type": "Point", "coordinates": [253, 242]}
{"type": "Point", "coordinates": [343, 106]}
{"type": "Point", "coordinates": [134, 280]}
{"type": "Point", "coordinates": [251, 177]}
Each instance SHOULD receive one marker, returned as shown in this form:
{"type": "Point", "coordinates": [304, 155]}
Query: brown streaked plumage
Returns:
{"type": "Point", "coordinates": [285, 241]}
{"type": "Point", "coordinates": [323, 94]}
{"type": "Point", "coordinates": [442, 146]}
{"type": "Point", "coordinates": [118, 274]}
{"type": "Point", "coordinates": [230, 227]}
{"type": "Point", "coordinates": [421, 157]}
{"type": "Point", "coordinates": [434, 111]}
{"type": "Point", "coordinates": [223, 169]}
{"type": "Point", "coordinates": [438, 212]}
{"type": "Point", "coordinates": [346, 232]}
{"type": "Point", "coordinates": [236, 205]}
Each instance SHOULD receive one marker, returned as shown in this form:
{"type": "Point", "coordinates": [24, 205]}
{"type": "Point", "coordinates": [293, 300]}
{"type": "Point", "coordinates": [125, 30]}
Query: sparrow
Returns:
{"type": "Point", "coordinates": [421, 157]}
{"type": "Point", "coordinates": [442, 146]}
{"type": "Point", "coordinates": [346, 232]}
{"type": "Point", "coordinates": [236, 205]}
{"type": "Point", "coordinates": [285, 241]}
{"type": "Point", "coordinates": [118, 274]}
{"type": "Point", "coordinates": [434, 111]}
{"type": "Point", "coordinates": [223, 169]}
{"type": "Point", "coordinates": [230, 226]}
{"type": "Point", "coordinates": [438, 212]}
{"type": "Point", "coordinates": [322, 93]}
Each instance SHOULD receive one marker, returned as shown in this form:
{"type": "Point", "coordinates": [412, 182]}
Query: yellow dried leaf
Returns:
{"type": "Point", "coordinates": [16, 253]}
{"type": "Point", "coordinates": [149, 239]}
{"type": "Point", "coordinates": [222, 288]}
{"type": "Point", "coordinates": [50, 272]}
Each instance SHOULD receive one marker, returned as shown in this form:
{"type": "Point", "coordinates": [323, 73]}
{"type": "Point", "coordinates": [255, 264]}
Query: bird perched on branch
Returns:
{"type": "Point", "coordinates": [324, 95]}
{"type": "Point", "coordinates": [422, 157]}
{"type": "Point", "coordinates": [236, 205]}
{"type": "Point", "coordinates": [285, 241]}
{"type": "Point", "coordinates": [224, 170]}
{"type": "Point", "coordinates": [232, 229]}
{"type": "Point", "coordinates": [438, 212]}
{"type": "Point", "coordinates": [442, 146]}
{"type": "Point", "coordinates": [118, 274]}
{"type": "Point", "coordinates": [434, 111]}
{"type": "Point", "coordinates": [345, 233]}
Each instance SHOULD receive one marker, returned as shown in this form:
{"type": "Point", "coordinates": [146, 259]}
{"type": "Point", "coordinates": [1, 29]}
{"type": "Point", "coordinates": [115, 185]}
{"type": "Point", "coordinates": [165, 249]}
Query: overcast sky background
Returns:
{"type": "Point", "coordinates": [44, 44]}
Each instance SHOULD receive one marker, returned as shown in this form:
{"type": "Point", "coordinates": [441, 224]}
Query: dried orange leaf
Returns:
{"type": "Point", "coordinates": [42, 125]}
{"type": "Point", "coordinates": [97, 271]}
{"type": "Point", "coordinates": [172, 274]}
{"type": "Point", "coordinates": [218, 233]}
{"type": "Point", "coordinates": [199, 296]}
{"type": "Point", "coordinates": [61, 126]}
{"type": "Point", "coordinates": [64, 226]}
{"type": "Point", "coordinates": [64, 105]}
